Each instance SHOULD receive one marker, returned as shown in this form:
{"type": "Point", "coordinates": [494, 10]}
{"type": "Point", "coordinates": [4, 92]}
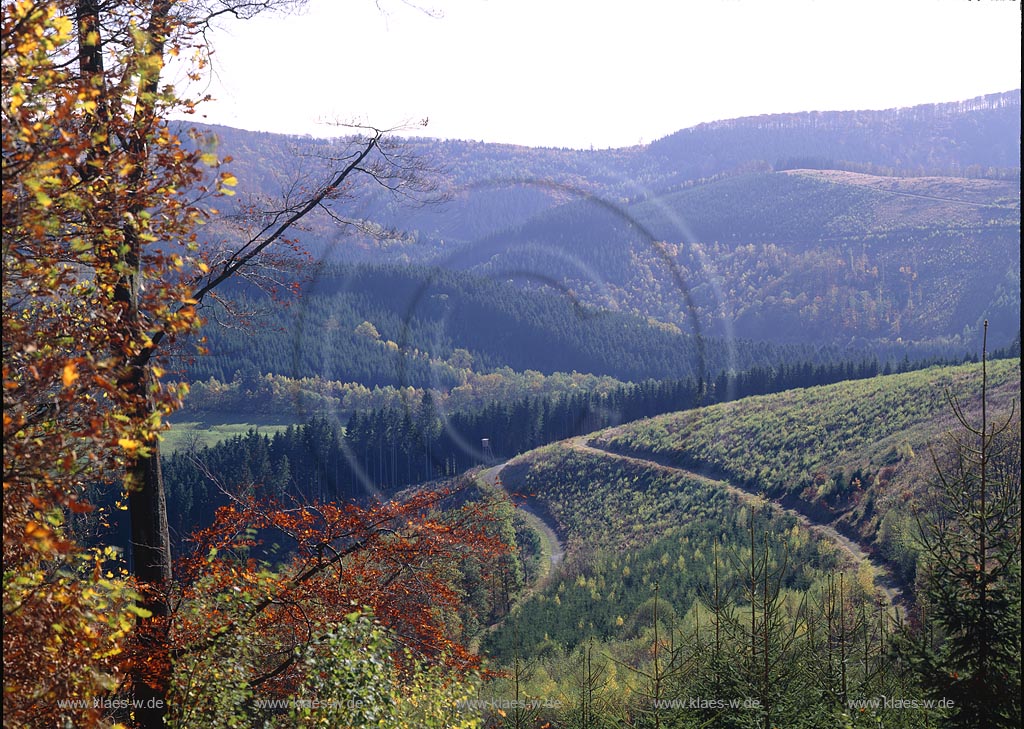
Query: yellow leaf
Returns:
{"type": "Point", "coordinates": [62, 25]}
{"type": "Point", "coordinates": [209, 158]}
{"type": "Point", "coordinates": [229, 179]}
{"type": "Point", "coordinates": [129, 444]}
{"type": "Point", "coordinates": [70, 374]}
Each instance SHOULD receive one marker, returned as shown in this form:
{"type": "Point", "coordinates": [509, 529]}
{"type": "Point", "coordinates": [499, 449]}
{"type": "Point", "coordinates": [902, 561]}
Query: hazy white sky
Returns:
{"type": "Point", "coordinates": [583, 73]}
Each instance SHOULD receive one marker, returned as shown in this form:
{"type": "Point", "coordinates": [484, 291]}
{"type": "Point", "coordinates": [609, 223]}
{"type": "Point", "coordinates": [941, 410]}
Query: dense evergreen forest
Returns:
{"type": "Point", "coordinates": [402, 326]}
{"type": "Point", "coordinates": [419, 439]}
{"type": "Point", "coordinates": [407, 326]}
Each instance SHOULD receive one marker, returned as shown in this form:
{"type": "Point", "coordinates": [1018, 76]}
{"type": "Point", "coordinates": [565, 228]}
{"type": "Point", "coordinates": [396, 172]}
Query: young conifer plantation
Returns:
{"type": "Point", "coordinates": [383, 430]}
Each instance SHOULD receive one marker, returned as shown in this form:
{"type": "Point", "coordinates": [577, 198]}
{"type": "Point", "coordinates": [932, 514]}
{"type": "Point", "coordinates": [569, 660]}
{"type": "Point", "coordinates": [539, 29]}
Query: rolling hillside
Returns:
{"type": "Point", "coordinates": [849, 454]}
{"type": "Point", "coordinates": [491, 187]}
{"type": "Point", "coordinates": [811, 256]}
{"type": "Point", "coordinates": [829, 477]}
{"type": "Point", "coordinates": [871, 227]}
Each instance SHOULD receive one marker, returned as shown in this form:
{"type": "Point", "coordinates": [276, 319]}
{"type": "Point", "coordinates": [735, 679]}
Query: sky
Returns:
{"type": "Point", "coordinates": [592, 73]}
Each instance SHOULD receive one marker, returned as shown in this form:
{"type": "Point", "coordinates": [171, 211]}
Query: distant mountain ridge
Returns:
{"type": "Point", "coordinates": [943, 138]}
{"type": "Point", "coordinates": [816, 227]}
{"type": "Point", "coordinates": [495, 186]}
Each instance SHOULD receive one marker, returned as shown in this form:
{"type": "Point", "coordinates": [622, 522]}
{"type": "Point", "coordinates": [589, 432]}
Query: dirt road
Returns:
{"type": "Point", "coordinates": [884, 582]}
{"type": "Point", "coordinates": [856, 555]}
{"type": "Point", "coordinates": [551, 545]}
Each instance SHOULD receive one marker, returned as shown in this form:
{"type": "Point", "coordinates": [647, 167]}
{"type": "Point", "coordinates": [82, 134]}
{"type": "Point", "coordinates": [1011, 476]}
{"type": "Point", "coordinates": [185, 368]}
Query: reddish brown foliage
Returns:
{"type": "Point", "coordinates": [400, 559]}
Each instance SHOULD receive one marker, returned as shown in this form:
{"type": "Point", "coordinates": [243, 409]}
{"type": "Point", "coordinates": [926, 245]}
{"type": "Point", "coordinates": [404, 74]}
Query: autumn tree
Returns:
{"type": "Point", "coordinates": [248, 628]}
{"type": "Point", "coordinates": [75, 201]}
{"type": "Point", "coordinates": [102, 272]}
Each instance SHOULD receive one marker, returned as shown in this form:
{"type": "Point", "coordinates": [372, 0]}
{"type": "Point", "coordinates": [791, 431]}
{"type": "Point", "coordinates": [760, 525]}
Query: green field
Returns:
{"type": "Point", "coordinates": [210, 431]}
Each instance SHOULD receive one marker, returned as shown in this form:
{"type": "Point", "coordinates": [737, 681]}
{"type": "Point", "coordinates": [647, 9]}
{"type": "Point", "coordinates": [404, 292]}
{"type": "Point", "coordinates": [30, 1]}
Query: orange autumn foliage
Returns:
{"type": "Point", "coordinates": [99, 256]}
{"type": "Point", "coordinates": [101, 274]}
{"type": "Point", "coordinates": [68, 198]}
{"type": "Point", "coordinates": [400, 559]}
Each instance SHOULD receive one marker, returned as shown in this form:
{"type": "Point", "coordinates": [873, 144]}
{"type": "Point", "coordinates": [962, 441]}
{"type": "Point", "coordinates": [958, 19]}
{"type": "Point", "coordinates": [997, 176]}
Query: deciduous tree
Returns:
{"type": "Point", "coordinates": [263, 629]}
{"type": "Point", "coordinates": [102, 272]}
{"type": "Point", "coordinates": [80, 204]}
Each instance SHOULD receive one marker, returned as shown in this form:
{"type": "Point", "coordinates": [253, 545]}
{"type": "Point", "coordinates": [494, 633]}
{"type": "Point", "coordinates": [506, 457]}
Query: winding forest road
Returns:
{"type": "Point", "coordinates": [884, 581]}
{"type": "Point", "coordinates": [551, 545]}
{"type": "Point", "coordinates": [550, 542]}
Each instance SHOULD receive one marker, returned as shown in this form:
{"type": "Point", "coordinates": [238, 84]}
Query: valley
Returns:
{"type": "Point", "coordinates": [716, 402]}
{"type": "Point", "coordinates": [719, 430]}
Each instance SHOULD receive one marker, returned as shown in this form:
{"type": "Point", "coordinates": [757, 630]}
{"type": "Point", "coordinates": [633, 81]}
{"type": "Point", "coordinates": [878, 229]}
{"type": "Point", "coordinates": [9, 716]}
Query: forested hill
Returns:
{"type": "Point", "coordinates": [670, 524]}
{"type": "Point", "coordinates": [971, 138]}
{"type": "Point", "coordinates": [866, 227]}
{"type": "Point", "coordinates": [800, 255]}
{"type": "Point", "coordinates": [494, 186]}
{"type": "Point", "coordinates": [420, 327]}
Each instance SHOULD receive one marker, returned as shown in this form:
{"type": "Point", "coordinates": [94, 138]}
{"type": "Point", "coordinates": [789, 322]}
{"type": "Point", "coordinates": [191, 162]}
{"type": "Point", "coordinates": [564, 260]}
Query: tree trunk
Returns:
{"type": "Point", "coordinates": [151, 565]}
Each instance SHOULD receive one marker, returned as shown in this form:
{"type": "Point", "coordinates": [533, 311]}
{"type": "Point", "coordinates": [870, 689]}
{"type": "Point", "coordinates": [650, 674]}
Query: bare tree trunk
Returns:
{"type": "Point", "coordinates": [151, 560]}
{"type": "Point", "coordinates": [147, 502]}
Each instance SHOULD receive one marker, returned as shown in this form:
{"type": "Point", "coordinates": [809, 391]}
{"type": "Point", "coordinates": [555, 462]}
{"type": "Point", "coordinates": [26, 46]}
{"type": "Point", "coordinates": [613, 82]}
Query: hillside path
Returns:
{"type": "Point", "coordinates": [885, 584]}
{"type": "Point", "coordinates": [551, 543]}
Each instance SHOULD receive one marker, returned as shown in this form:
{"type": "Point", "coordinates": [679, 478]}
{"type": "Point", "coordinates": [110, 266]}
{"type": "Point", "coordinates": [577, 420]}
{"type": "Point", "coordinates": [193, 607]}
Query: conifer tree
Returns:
{"type": "Point", "coordinates": [969, 650]}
